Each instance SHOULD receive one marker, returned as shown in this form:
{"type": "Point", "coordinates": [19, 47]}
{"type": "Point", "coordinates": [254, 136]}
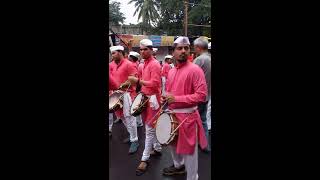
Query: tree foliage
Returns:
{"type": "Point", "coordinates": [199, 14]}
{"type": "Point", "coordinates": [147, 11]}
{"type": "Point", "coordinates": [172, 14]}
{"type": "Point", "coordinates": [115, 16]}
{"type": "Point", "coordinates": [167, 16]}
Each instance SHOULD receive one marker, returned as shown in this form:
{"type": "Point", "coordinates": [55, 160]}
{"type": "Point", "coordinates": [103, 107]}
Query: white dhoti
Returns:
{"type": "Point", "coordinates": [154, 102]}
{"type": "Point", "coordinates": [139, 120]}
{"type": "Point", "coordinates": [110, 121]}
{"type": "Point", "coordinates": [209, 114]}
{"type": "Point", "coordinates": [190, 161]}
{"type": "Point", "coordinates": [163, 80]}
{"type": "Point", "coordinates": [151, 139]}
{"type": "Point", "coordinates": [150, 142]}
{"type": "Point", "coordinates": [129, 121]}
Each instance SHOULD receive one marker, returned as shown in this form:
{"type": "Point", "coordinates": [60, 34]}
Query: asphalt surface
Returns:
{"type": "Point", "coordinates": [122, 166]}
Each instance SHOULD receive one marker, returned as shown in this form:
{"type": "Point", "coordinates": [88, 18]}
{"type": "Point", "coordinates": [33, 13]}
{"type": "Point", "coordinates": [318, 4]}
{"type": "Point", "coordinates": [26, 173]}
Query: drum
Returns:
{"type": "Point", "coordinates": [165, 126]}
{"type": "Point", "coordinates": [139, 104]}
{"type": "Point", "coordinates": [115, 101]}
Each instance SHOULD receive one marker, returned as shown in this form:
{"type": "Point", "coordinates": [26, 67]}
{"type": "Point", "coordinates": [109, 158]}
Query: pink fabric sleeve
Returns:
{"type": "Point", "coordinates": [156, 76]}
{"type": "Point", "coordinates": [140, 70]}
{"type": "Point", "coordinates": [200, 91]}
{"type": "Point", "coordinates": [112, 83]}
{"type": "Point", "coordinates": [132, 69]}
{"type": "Point", "coordinates": [166, 69]}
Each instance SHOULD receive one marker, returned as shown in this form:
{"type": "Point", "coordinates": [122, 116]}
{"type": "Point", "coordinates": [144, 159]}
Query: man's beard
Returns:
{"type": "Point", "coordinates": [183, 58]}
{"type": "Point", "coordinates": [116, 60]}
{"type": "Point", "coordinates": [146, 57]}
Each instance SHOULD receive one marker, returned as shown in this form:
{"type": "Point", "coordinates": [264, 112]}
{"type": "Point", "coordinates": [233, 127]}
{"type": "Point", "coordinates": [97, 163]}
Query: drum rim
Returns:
{"type": "Point", "coordinates": [114, 94]}
{"type": "Point", "coordinates": [173, 136]}
{"type": "Point", "coordinates": [136, 111]}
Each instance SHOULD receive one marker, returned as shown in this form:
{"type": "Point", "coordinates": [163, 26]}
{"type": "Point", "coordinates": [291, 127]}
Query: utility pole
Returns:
{"type": "Point", "coordinates": [186, 17]}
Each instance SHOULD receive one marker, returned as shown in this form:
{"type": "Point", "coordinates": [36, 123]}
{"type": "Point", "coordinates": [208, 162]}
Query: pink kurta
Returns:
{"type": "Point", "coordinates": [188, 85]}
{"type": "Point", "coordinates": [120, 73]}
{"type": "Point", "coordinates": [112, 83]}
{"type": "Point", "coordinates": [140, 68]}
{"type": "Point", "coordinates": [151, 74]}
{"type": "Point", "coordinates": [165, 70]}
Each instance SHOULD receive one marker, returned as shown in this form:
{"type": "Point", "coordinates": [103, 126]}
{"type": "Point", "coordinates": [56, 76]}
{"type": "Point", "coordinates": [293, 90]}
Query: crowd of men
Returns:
{"type": "Point", "coordinates": [181, 82]}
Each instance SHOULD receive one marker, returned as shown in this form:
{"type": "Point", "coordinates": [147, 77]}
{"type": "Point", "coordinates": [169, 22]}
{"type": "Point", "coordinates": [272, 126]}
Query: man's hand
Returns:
{"type": "Point", "coordinates": [170, 98]}
{"type": "Point", "coordinates": [124, 85]}
{"type": "Point", "coordinates": [132, 79]}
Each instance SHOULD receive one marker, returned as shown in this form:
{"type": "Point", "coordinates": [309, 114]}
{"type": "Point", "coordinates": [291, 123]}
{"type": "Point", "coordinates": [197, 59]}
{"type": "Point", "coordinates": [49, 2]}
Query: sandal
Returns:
{"type": "Point", "coordinates": [140, 170]}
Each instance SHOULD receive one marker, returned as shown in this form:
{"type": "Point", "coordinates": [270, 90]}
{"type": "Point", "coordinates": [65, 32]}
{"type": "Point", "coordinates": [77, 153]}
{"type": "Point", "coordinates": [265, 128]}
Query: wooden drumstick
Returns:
{"type": "Point", "coordinates": [160, 110]}
{"type": "Point", "coordinates": [123, 94]}
{"type": "Point", "coordinates": [140, 105]}
{"type": "Point", "coordinates": [180, 125]}
{"type": "Point", "coordinates": [123, 83]}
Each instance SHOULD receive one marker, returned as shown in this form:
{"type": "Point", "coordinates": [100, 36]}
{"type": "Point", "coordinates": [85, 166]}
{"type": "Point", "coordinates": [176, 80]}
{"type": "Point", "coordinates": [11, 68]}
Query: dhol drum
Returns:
{"type": "Point", "coordinates": [115, 101]}
{"type": "Point", "coordinates": [139, 104]}
{"type": "Point", "coordinates": [165, 126]}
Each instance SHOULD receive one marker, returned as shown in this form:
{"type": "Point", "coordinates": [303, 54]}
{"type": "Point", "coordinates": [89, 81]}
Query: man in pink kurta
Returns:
{"type": "Point", "coordinates": [151, 78]}
{"type": "Point", "coordinates": [113, 85]}
{"type": "Point", "coordinates": [121, 68]}
{"type": "Point", "coordinates": [165, 70]}
{"type": "Point", "coordinates": [134, 58]}
{"type": "Point", "coordinates": [166, 66]}
{"type": "Point", "coordinates": [186, 87]}
{"type": "Point", "coordinates": [150, 81]}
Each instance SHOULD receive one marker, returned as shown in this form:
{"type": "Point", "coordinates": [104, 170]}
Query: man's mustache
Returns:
{"type": "Point", "coordinates": [183, 56]}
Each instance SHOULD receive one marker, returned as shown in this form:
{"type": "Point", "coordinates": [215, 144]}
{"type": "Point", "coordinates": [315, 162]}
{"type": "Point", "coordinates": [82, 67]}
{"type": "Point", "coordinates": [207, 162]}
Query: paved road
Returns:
{"type": "Point", "coordinates": [122, 166]}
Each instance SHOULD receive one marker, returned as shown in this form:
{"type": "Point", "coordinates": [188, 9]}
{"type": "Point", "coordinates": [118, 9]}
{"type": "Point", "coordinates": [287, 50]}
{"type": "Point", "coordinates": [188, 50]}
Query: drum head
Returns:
{"type": "Point", "coordinates": [113, 99]}
{"type": "Point", "coordinates": [163, 128]}
{"type": "Point", "coordinates": [136, 102]}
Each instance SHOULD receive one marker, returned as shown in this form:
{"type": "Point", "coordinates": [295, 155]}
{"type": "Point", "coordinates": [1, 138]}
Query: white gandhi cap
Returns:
{"type": "Point", "coordinates": [182, 40]}
{"type": "Point", "coordinates": [116, 48]}
{"type": "Point", "coordinates": [155, 49]}
{"type": "Point", "coordinates": [135, 54]}
{"type": "Point", "coordinates": [209, 45]}
{"type": "Point", "coordinates": [168, 56]}
{"type": "Point", "coordinates": [145, 42]}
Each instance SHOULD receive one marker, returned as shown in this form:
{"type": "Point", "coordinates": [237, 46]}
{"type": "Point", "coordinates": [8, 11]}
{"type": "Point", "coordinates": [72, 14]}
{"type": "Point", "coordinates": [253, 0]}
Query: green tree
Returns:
{"type": "Point", "coordinates": [200, 14]}
{"type": "Point", "coordinates": [172, 17]}
{"type": "Point", "coordinates": [115, 16]}
{"type": "Point", "coordinates": [171, 21]}
{"type": "Point", "coordinates": [147, 11]}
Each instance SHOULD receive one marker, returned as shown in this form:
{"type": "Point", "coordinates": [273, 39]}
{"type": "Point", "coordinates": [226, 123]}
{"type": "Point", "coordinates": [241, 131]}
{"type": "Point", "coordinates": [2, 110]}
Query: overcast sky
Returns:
{"type": "Point", "coordinates": [128, 11]}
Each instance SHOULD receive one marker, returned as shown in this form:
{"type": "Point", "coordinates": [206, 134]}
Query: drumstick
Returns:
{"type": "Point", "coordinates": [123, 93]}
{"type": "Point", "coordinates": [123, 83]}
{"type": "Point", "coordinates": [180, 125]}
{"type": "Point", "coordinates": [144, 102]}
{"type": "Point", "coordinates": [138, 106]}
{"type": "Point", "coordinates": [158, 112]}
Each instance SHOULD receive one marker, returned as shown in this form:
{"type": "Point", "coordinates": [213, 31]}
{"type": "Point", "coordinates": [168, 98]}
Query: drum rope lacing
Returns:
{"type": "Point", "coordinates": [180, 124]}
{"type": "Point", "coordinates": [123, 92]}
